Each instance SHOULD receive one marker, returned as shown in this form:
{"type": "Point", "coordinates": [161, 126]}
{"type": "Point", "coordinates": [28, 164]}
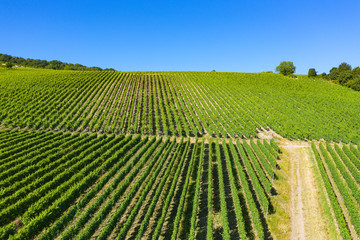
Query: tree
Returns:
{"type": "Point", "coordinates": [344, 67]}
{"type": "Point", "coordinates": [354, 83]}
{"type": "Point", "coordinates": [312, 72]}
{"type": "Point", "coordinates": [356, 71]}
{"type": "Point", "coordinates": [344, 77]}
{"type": "Point", "coordinates": [334, 73]}
{"type": "Point", "coordinates": [286, 68]}
{"type": "Point", "coordinates": [5, 57]}
{"type": "Point", "coordinates": [9, 65]}
{"type": "Point", "coordinates": [323, 75]}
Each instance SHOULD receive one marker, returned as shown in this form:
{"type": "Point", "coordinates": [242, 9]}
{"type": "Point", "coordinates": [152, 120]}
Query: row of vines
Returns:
{"type": "Point", "coordinates": [56, 185]}
{"type": "Point", "coordinates": [339, 167]}
{"type": "Point", "coordinates": [192, 104]}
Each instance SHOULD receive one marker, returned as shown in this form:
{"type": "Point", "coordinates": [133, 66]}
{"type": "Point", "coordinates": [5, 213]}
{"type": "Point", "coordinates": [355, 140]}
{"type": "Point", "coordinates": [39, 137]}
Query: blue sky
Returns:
{"type": "Point", "coordinates": [236, 36]}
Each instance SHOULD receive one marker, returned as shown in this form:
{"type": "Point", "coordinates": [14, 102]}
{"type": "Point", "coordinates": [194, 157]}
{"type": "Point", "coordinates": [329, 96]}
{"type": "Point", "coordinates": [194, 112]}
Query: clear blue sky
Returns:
{"type": "Point", "coordinates": [239, 36]}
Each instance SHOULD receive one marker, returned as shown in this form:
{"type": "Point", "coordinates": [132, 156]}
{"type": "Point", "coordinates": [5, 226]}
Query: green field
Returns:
{"type": "Point", "coordinates": [82, 186]}
{"type": "Point", "coordinates": [179, 103]}
{"type": "Point", "coordinates": [340, 170]}
{"type": "Point", "coordinates": [169, 155]}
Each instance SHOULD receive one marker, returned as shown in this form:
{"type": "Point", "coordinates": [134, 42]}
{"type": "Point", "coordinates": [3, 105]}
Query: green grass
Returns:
{"type": "Point", "coordinates": [279, 222]}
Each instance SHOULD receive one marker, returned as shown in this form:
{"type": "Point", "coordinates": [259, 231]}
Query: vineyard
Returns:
{"type": "Point", "coordinates": [339, 168]}
{"type": "Point", "coordinates": [175, 155]}
{"type": "Point", "coordinates": [225, 105]}
{"type": "Point", "coordinates": [84, 186]}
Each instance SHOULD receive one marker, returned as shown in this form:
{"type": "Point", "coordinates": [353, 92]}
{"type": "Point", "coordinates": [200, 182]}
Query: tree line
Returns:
{"type": "Point", "coordinates": [344, 75]}
{"type": "Point", "coordinates": [10, 61]}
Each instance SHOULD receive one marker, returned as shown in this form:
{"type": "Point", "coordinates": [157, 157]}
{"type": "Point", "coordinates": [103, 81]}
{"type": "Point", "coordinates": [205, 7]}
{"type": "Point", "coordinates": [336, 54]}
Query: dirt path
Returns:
{"type": "Point", "coordinates": [296, 185]}
{"type": "Point", "coordinates": [307, 219]}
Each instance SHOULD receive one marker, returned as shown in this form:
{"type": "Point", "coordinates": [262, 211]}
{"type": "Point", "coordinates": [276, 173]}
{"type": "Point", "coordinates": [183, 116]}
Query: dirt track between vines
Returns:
{"type": "Point", "coordinates": [306, 214]}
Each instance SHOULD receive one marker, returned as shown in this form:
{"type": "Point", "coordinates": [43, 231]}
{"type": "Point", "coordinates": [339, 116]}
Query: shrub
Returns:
{"type": "Point", "coordinates": [9, 65]}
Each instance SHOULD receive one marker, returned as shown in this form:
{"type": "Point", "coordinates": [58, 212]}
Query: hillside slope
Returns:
{"type": "Point", "coordinates": [178, 103]}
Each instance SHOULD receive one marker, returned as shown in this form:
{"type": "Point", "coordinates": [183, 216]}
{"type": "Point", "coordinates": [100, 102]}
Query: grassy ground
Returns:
{"type": "Point", "coordinates": [317, 213]}
{"type": "Point", "coordinates": [279, 222]}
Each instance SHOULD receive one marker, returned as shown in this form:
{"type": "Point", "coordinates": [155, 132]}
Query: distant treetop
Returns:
{"type": "Point", "coordinates": [54, 64]}
{"type": "Point", "coordinates": [286, 68]}
{"type": "Point", "coordinates": [312, 72]}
